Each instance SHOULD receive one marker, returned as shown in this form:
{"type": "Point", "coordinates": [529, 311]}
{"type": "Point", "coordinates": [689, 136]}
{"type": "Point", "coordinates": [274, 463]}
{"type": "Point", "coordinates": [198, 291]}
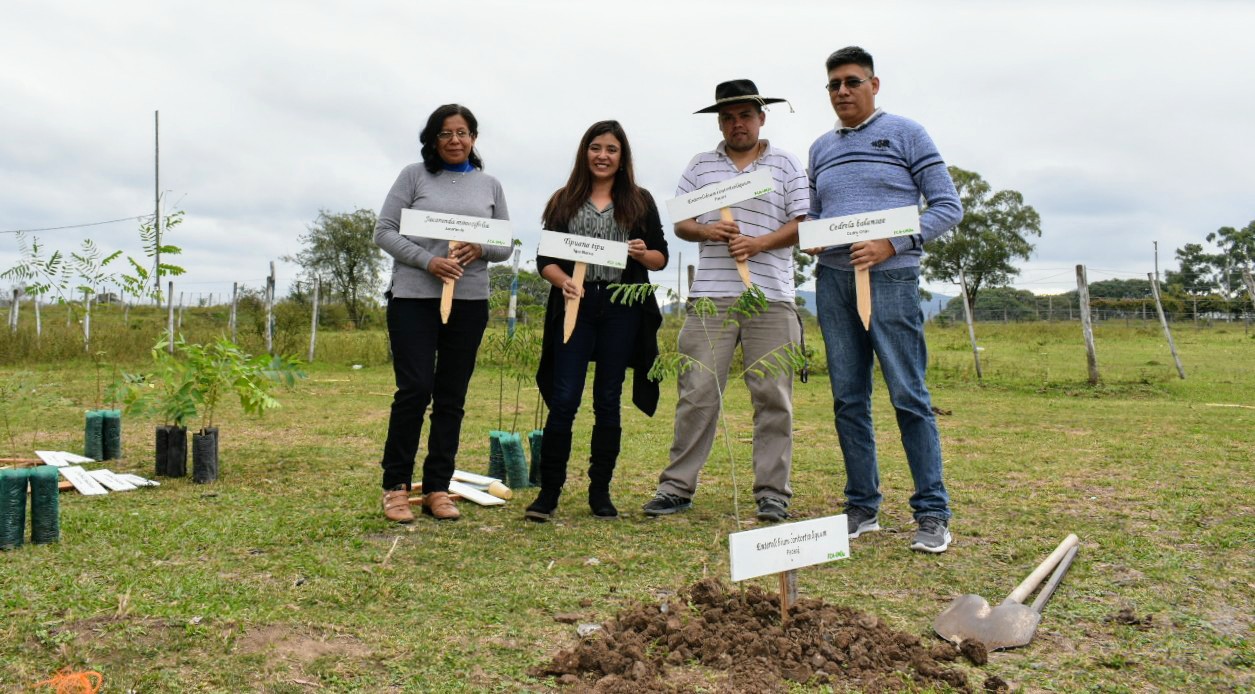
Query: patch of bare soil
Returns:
{"type": "Point", "coordinates": [731, 640]}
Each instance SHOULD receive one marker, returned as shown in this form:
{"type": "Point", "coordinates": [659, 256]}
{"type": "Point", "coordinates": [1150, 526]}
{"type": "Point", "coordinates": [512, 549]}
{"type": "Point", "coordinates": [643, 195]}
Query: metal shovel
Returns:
{"type": "Point", "coordinates": [1012, 623]}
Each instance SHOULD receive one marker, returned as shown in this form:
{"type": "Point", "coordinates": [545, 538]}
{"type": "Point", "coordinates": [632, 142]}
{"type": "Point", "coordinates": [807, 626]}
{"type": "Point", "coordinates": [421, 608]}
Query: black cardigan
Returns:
{"type": "Point", "coordinates": [644, 391]}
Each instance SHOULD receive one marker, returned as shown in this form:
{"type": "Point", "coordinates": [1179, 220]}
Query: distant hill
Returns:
{"type": "Point", "coordinates": [931, 307]}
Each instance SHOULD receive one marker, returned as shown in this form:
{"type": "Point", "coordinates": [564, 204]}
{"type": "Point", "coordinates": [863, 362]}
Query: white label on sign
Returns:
{"type": "Point", "coordinates": [112, 481]}
{"type": "Point", "coordinates": [722, 194]}
{"type": "Point", "coordinates": [82, 481]}
{"type": "Point", "coordinates": [456, 227]}
{"type": "Point", "coordinates": [584, 249]}
{"type": "Point", "coordinates": [138, 481]}
{"type": "Point", "coordinates": [61, 458]}
{"type": "Point", "coordinates": [838, 231]}
{"type": "Point", "coordinates": [788, 546]}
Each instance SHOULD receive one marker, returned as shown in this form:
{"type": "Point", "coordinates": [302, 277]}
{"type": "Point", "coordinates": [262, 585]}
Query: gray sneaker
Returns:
{"type": "Point", "coordinates": [933, 535]}
{"type": "Point", "coordinates": [772, 509]}
{"type": "Point", "coordinates": [860, 520]}
{"type": "Point", "coordinates": [665, 504]}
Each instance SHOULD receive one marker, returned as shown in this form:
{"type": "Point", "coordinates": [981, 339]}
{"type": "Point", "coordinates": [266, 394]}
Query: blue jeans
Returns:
{"type": "Point", "coordinates": [897, 340]}
{"type": "Point", "coordinates": [605, 333]}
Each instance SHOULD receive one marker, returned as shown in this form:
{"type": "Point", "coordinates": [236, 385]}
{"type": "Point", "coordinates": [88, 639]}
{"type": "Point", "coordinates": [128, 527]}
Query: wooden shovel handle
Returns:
{"type": "Point", "coordinates": [1029, 584]}
{"type": "Point", "coordinates": [742, 267]}
{"type": "Point", "coordinates": [1049, 589]}
{"type": "Point", "coordinates": [446, 292]}
{"type": "Point", "coordinates": [573, 305]}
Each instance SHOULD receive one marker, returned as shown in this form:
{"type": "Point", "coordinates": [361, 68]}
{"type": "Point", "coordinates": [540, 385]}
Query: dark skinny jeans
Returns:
{"type": "Point", "coordinates": [433, 363]}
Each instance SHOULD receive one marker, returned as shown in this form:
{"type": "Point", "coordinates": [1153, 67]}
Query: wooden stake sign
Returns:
{"type": "Point", "coordinates": [866, 226]}
{"type": "Point", "coordinates": [721, 196]}
{"type": "Point", "coordinates": [783, 548]}
{"type": "Point", "coordinates": [455, 229]}
{"type": "Point", "coordinates": [583, 250]}
{"type": "Point", "coordinates": [446, 292]}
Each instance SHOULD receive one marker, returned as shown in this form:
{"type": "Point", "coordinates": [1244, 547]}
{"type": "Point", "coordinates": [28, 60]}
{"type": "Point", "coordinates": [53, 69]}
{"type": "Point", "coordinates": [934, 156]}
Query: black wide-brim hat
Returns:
{"type": "Point", "coordinates": [736, 92]}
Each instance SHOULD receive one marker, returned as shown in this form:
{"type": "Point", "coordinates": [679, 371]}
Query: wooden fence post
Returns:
{"type": "Point", "coordinates": [13, 312]}
{"type": "Point", "coordinates": [1250, 285]}
{"type": "Point", "coordinates": [313, 321]}
{"type": "Point", "coordinates": [235, 290]}
{"type": "Point", "coordinates": [170, 317]}
{"type": "Point", "coordinates": [1154, 291]}
{"type": "Point", "coordinates": [270, 309]}
{"type": "Point", "coordinates": [971, 329]}
{"type": "Point", "coordinates": [39, 323]}
{"type": "Point", "coordinates": [1087, 327]}
{"type": "Point", "coordinates": [87, 321]}
{"type": "Point", "coordinates": [180, 322]}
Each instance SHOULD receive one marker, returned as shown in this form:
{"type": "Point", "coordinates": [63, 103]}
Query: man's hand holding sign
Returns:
{"type": "Point", "coordinates": [584, 250]}
{"type": "Point", "coordinates": [869, 233]}
{"type": "Point", "coordinates": [721, 196]}
{"type": "Point", "coordinates": [466, 237]}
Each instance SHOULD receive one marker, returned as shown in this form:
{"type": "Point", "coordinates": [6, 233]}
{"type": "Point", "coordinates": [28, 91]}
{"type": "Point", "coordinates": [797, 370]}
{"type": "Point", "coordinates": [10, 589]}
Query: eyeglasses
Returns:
{"type": "Point", "coordinates": [851, 83]}
{"type": "Point", "coordinates": [444, 135]}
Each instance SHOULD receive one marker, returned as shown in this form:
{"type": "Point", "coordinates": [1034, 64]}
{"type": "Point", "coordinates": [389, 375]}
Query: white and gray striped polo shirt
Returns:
{"type": "Point", "coordinates": [772, 271]}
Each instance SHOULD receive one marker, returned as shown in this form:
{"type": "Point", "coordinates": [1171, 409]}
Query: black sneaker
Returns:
{"type": "Point", "coordinates": [665, 504]}
{"type": "Point", "coordinates": [772, 509]}
{"type": "Point", "coordinates": [860, 520]}
{"type": "Point", "coordinates": [933, 535]}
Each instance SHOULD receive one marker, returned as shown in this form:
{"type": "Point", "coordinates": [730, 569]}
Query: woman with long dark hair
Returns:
{"type": "Point", "coordinates": [433, 361]}
{"type": "Point", "coordinates": [600, 200]}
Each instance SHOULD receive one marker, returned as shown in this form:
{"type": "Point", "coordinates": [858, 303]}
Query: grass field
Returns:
{"type": "Point", "coordinates": [284, 577]}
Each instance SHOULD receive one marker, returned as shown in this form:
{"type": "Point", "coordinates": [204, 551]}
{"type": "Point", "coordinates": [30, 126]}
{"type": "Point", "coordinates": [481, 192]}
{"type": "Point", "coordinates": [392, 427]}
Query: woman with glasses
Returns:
{"type": "Point", "coordinates": [600, 200]}
{"type": "Point", "coordinates": [433, 361]}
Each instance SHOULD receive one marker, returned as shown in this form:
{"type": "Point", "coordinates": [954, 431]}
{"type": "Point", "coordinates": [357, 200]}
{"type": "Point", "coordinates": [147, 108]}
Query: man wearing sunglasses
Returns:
{"type": "Point", "coordinates": [876, 161]}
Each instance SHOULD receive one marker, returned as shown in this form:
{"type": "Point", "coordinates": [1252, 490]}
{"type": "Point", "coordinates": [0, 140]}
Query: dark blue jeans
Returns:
{"type": "Point", "coordinates": [897, 340]}
{"type": "Point", "coordinates": [433, 363]}
{"type": "Point", "coordinates": [605, 332]}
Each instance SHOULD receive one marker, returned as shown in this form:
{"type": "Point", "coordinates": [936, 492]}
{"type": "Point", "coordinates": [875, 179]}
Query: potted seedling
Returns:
{"type": "Point", "coordinates": [516, 357]}
{"type": "Point", "coordinates": [194, 381]}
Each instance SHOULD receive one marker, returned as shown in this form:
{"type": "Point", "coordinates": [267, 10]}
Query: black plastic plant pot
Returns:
{"type": "Point", "coordinates": [162, 451]}
{"type": "Point", "coordinates": [205, 456]}
{"type": "Point", "coordinates": [174, 451]}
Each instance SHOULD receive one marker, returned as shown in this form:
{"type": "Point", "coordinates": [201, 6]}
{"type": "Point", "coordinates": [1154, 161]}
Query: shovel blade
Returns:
{"type": "Point", "coordinates": [970, 617]}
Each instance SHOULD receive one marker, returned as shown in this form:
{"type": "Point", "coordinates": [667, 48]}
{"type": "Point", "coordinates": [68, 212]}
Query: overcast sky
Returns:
{"type": "Point", "coordinates": [1122, 123]}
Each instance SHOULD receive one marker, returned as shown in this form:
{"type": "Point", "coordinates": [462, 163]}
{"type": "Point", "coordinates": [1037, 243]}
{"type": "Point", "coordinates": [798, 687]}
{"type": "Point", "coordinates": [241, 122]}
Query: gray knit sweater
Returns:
{"type": "Point", "coordinates": [473, 193]}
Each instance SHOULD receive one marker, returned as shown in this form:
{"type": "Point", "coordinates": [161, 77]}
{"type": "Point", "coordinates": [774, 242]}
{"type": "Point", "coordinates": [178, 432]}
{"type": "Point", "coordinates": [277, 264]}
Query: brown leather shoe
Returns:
{"type": "Point", "coordinates": [438, 505]}
{"type": "Point", "coordinates": [396, 506]}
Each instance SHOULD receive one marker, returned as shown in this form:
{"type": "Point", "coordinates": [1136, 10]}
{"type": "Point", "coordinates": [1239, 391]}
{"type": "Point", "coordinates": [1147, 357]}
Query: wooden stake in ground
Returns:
{"type": "Point", "coordinates": [1154, 290]}
{"type": "Point", "coordinates": [446, 292]}
{"type": "Point", "coordinates": [742, 267]}
{"type": "Point", "coordinates": [1087, 327]}
{"type": "Point", "coordinates": [788, 593]}
{"type": "Point", "coordinates": [573, 305]}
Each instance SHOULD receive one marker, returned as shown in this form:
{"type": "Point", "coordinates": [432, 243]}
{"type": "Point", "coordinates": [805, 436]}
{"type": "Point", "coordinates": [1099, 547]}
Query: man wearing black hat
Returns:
{"type": "Point", "coordinates": [762, 234]}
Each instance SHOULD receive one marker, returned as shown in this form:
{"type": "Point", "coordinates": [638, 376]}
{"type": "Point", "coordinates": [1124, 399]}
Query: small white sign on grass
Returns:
{"type": "Point", "coordinates": [784, 547]}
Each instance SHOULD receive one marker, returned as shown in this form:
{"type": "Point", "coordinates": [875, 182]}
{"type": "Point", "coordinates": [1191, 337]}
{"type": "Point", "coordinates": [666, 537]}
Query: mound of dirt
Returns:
{"type": "Point", "coordinates": [731, 640]}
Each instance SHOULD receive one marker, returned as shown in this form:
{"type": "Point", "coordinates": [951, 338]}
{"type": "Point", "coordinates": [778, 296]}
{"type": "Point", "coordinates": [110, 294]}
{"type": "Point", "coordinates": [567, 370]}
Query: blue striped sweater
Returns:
{"type": "Point", "coordinates": [887, 162]}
